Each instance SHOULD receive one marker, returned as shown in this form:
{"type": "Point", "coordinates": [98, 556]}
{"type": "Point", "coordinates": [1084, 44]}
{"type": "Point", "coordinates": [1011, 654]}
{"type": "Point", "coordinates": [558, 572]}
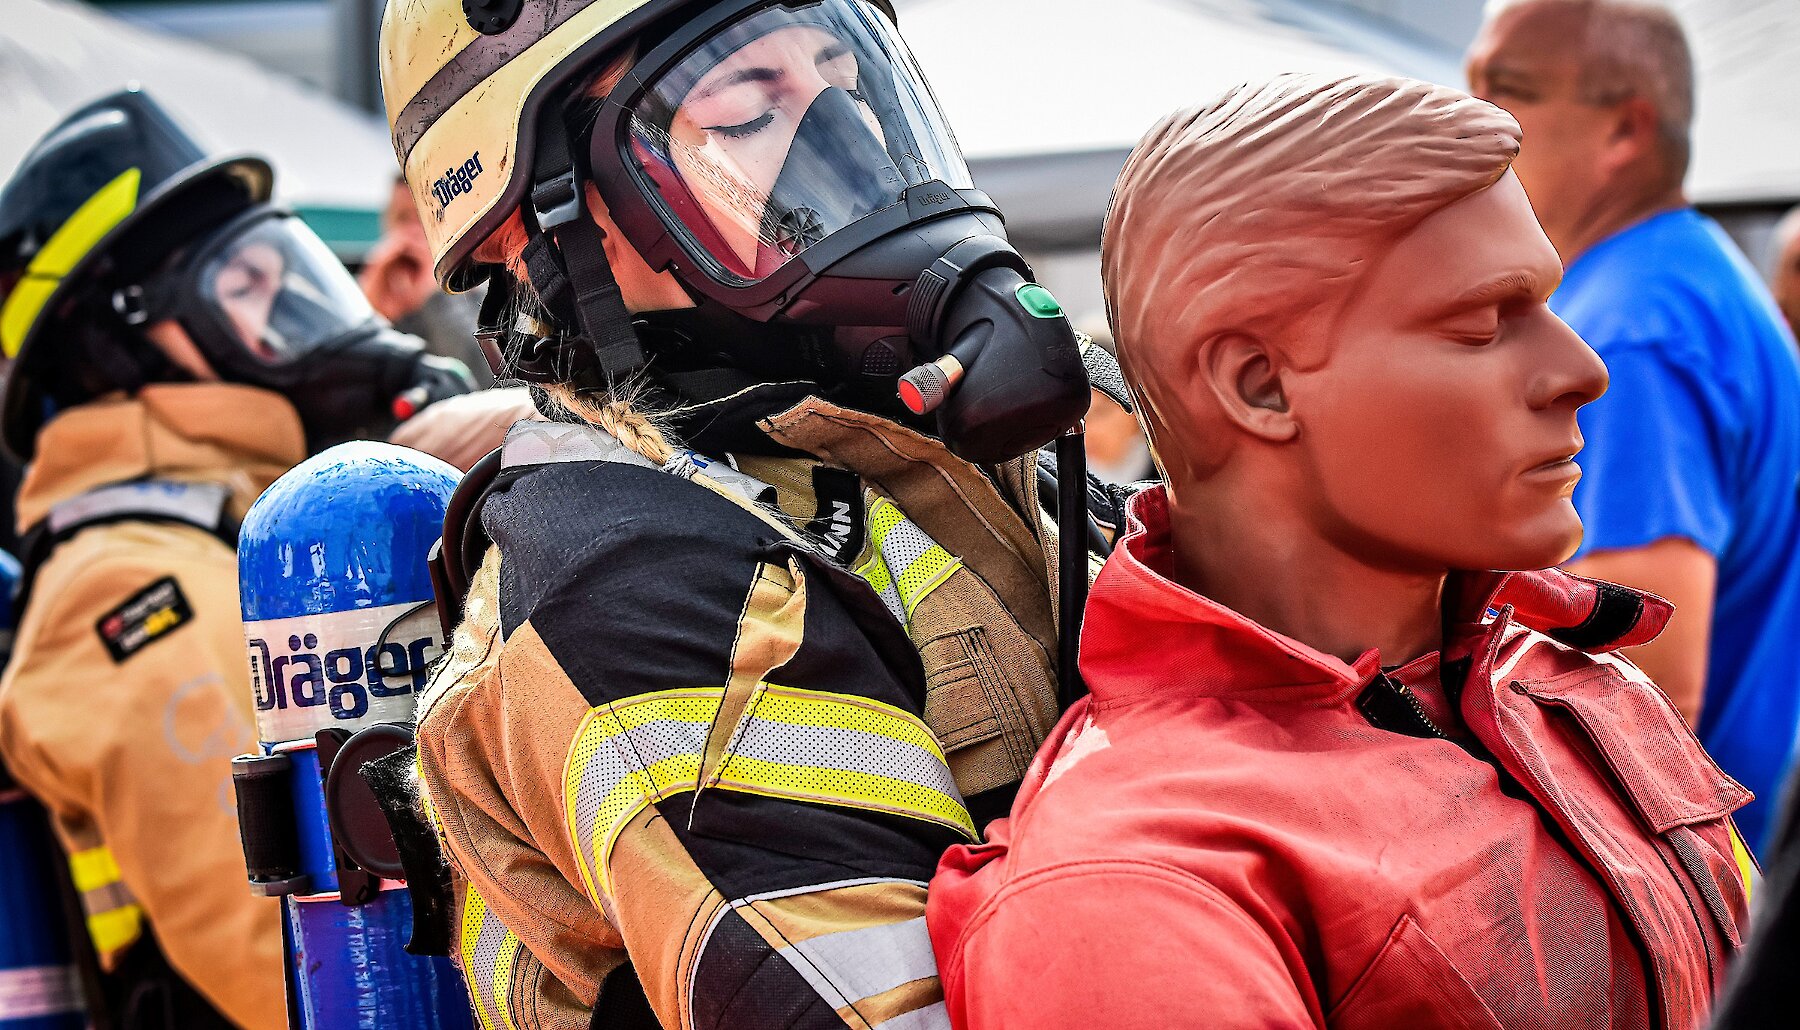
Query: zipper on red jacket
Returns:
{"type": "Point", "coordinates": [1389, 705]}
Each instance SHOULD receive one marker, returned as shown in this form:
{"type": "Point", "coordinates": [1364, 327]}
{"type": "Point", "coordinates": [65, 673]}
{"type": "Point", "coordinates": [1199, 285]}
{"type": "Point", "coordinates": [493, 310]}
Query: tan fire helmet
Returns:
{"type": "Point", "coordinates": [465, 82]}
{"type": "Point", "coordinates": [463, 93]}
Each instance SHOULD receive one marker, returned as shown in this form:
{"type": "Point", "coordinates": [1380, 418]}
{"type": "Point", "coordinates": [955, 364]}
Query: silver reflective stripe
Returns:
{"type": "Point", "coordinates": [694, 465]}
{"type": "Point", "coordinates": [931, 1017]}
{"type": "Point", "coordinates": [38, 991]}
{"type": "Point", "coordinates": [618, 756]}
{"type": "Point", "coordinates": [844, 968]}
{"type": "Point", "coordinates": [833, 747]}
{"type": "Point", "coordinates": [819, 888]}
{"type": "Point", "coordinates": [199, 504]}
{"type": "Point", "coordinates": [548, 443]}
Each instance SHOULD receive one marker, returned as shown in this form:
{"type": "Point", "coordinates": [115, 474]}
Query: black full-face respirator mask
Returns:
{"type": "Point", "coordinates": [787, 163]}
{"type": "Point", "coordinates": [267, 304]}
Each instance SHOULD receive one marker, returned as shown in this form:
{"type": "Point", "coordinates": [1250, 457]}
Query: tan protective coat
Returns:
{"type": "Point", "coordinates": [134, 757]}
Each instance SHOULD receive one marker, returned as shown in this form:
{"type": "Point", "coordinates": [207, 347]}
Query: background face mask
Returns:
{"type": "Point", "coordinates": [276, 291]}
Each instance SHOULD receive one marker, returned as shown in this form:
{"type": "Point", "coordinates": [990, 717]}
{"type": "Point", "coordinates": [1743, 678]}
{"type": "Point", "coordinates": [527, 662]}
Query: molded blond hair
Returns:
{"type": "Point", "coordinates": [1259, 212]}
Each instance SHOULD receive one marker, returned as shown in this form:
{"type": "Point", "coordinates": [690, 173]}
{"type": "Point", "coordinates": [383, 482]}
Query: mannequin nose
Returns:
{"type": "Point", "coordinates": [1569, 372]}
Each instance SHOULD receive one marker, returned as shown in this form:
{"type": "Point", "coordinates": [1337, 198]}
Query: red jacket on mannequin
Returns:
{"type": "Point", "coordinates": [1326, 777]}
{"type": "Point", "coordinates": [1289, 842]}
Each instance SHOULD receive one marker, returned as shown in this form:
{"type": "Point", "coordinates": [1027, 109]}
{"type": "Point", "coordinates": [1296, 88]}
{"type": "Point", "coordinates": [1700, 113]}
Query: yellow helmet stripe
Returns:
{"type": "Point", "coordinates": [68, 245]}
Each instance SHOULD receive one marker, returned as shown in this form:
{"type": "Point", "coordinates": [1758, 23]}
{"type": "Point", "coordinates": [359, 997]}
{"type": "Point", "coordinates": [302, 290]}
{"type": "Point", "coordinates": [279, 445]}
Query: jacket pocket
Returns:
{"type": "Point", "coordinates": [1411, 983]}
{"type": "Point", "coordinates": [1667, 777]}
{"type": "Point", "coordinates": [973, 711]}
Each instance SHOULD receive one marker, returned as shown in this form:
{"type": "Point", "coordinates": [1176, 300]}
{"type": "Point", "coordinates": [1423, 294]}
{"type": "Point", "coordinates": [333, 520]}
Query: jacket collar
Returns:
{"type": "Point", "coordinates": [1145, 633]}
{"type": "Point", "coordinates": [239, 436]}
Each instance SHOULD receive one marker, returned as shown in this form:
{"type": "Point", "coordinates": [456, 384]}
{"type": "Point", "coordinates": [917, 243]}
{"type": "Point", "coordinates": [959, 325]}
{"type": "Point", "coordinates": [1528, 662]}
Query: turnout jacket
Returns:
{"type": "Point", "coordinates": [706, 729]}
{"type": "Point", "coordinates": [1236, 830]}
{"type": "Point", "coordinates": [127, 694]}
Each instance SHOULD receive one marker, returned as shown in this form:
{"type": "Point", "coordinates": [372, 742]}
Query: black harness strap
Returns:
{"type": "Point", "coordinates": [571, 273]}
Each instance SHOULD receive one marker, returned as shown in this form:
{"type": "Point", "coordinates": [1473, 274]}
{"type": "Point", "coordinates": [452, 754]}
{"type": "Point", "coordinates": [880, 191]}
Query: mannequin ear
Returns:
{"type": "Point", "coordinates": [1244, 375]}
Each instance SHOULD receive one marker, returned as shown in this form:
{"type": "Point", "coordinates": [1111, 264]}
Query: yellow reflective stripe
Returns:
{"type": "Point", "coordinates": [67, 246]}
{"type": "Point", "coordinates": [794, 744]}
{"type": "Point", "coordinates": [115, 930]}
{"type": "Point", "coordinates": [627, 755]}
{"type": "Point", "coordinates": [904, 565]}
{"type": "Point", "coordinates": [488, 949]}
{"type": "Point", "coordinates": [838, 749]}
{"type": "Point", "coordinates": [1746, 865]}
{"type": "Point", "coordinates": [93, 869]}
{"type": "Point", "coordinates": [913, 563]}
{"type": "Point", "coordinates": [503, 968]}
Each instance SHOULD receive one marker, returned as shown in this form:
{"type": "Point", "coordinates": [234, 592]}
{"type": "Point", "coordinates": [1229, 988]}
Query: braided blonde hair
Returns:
{"type": "Point", "coordinates": [619, 414]}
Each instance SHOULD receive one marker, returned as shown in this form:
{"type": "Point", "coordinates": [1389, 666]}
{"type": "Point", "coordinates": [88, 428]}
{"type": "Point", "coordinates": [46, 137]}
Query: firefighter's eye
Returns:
{"type": "Point", "coordinates": [743, 129]}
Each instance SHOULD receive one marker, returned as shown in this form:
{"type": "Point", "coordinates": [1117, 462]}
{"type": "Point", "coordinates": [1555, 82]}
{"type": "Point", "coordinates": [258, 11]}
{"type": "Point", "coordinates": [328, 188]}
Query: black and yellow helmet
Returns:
{"type": "Point", "coordinates": [104, 197]}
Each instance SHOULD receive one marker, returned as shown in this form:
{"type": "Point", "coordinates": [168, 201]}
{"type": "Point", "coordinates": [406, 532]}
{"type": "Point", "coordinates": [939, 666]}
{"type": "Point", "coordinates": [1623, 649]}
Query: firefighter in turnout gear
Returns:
{"type": "Point", "coordinates": [176, 344]}
{"type": "Point", "coordinates": [766, 613]}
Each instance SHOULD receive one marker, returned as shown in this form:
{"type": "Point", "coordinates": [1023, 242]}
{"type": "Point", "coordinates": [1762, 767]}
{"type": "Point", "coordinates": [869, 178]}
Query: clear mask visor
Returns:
{"type": "Point", "coordinates": [785, 127]}
{"type": "Point", "coordinates": [277, 292]}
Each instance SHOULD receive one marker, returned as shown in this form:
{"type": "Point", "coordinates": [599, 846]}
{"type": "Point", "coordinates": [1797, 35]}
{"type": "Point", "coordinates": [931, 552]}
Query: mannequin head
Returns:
{"type": "Point", "coordinates": [1329, 296]}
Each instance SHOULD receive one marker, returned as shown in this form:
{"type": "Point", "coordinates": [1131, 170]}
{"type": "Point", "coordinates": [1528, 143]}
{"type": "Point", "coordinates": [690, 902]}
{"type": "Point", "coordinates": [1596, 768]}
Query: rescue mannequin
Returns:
{"type": "Point", "coordinates": [176, 344]}
{"type": "Point", "coordinates": [1330, 773]}
{"type": "Point", "coordinates": [753, 642]}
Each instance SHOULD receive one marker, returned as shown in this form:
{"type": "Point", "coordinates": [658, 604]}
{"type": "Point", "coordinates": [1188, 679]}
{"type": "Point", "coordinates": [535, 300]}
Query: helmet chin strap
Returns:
{"type": "Point", "coordinates": [565, 260]}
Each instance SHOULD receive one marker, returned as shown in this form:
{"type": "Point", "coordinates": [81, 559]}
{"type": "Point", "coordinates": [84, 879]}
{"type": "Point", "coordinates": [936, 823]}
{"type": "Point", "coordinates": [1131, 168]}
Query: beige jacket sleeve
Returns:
{"type": "Point", "coordinates": [132, 755]}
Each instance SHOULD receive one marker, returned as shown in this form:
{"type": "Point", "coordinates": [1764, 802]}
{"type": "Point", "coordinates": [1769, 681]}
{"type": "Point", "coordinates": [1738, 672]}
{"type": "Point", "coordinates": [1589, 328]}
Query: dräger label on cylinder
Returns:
{"type": "Point", "coordinates": [350, 669]}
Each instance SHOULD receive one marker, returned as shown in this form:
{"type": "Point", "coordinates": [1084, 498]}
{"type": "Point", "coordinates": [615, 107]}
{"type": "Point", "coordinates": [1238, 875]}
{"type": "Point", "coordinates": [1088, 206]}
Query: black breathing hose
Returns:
{"type": "Point", "coordinates": [1071, 561]}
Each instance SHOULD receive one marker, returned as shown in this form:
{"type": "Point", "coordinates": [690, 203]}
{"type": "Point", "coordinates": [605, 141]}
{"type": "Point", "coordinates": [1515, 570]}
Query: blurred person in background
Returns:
{"type": "Point", "coordinates": [1787, 268]}
{"type": "Point", "coordinates": [396, 277]}
{"type": "Point", "coordinates": [1117, 451]}
{"type": "Point", "coordinates": [1692, 456]}
{"type": "Point", "coordinates": [398, 280]}
{"type": "Point", "coordinates": [176, 343]}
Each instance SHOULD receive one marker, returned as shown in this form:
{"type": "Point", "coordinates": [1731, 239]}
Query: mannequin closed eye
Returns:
{"type": "Point", "coordinates": [1479, 315]}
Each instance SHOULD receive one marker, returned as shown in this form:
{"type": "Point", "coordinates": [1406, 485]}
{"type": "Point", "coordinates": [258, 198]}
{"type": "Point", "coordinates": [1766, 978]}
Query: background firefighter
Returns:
{"type": "Point", "coordinates": [177, 343]}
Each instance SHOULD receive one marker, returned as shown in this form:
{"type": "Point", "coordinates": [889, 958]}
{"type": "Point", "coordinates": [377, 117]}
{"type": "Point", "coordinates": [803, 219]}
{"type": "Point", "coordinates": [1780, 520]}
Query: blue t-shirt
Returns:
{"type": "Point", "coordinates": [1699, 437]}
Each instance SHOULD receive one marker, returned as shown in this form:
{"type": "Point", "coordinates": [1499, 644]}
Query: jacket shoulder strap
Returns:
{"type": "Point", "coordinates": [204, 506]}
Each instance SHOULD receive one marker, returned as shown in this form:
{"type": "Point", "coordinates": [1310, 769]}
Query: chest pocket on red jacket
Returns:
{"type": "Point", "coordinates": [1673, 785]}
{"type": "Point", "coordinates": [1411, 983]}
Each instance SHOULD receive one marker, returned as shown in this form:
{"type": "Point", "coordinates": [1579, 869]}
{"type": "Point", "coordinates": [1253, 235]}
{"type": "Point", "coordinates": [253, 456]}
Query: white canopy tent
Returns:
{"type": "Point", "coordinates": [332, 162]}
{"type": "Point", "coordinates": [1747, 116]}
{"type": "Point", "coordinates": [1049, 96]}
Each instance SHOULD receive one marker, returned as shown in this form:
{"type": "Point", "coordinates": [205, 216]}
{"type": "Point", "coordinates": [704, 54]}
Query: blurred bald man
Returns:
{"type": "Point", "coordinates": [1787, 268]}
{"type": "Point", "coordinates": [1693, 454]}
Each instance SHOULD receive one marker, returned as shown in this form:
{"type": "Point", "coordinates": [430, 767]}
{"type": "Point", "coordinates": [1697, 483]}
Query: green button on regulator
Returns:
{"type": "Point", "coordinates": [1039, 301]}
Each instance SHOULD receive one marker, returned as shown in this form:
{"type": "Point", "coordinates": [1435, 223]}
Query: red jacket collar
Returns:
{"type": "Point", "coordinates": [1144, 632]}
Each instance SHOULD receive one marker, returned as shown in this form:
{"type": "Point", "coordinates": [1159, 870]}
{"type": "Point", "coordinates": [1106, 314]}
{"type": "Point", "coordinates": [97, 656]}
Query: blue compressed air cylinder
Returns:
{"type": "Point", "coordinates": [37, 979]}
{"type": "Point", "coordinates": [336, 590]}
